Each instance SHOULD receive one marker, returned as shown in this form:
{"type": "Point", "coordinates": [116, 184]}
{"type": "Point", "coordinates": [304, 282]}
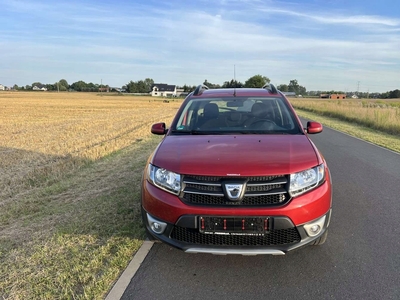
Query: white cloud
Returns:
{"type": "Point", "coordinates": [178, 44]}
{"type": "Point", "coordinates": [336, 17]}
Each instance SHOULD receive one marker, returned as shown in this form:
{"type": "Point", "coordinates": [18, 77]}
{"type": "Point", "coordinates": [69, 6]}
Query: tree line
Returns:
{"type": "Point", "coordinates": [255, 81]}
{"type": "Point", "coordinates": [144, 86]}
{"type": "Point", "coordinates": [62, 86]}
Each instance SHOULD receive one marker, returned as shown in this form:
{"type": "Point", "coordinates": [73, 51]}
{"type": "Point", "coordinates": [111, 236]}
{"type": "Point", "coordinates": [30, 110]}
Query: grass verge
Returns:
{"type": "Point", "coordinates": [374, 136]}
{"type": "Point", "coordinates": [380, 115]}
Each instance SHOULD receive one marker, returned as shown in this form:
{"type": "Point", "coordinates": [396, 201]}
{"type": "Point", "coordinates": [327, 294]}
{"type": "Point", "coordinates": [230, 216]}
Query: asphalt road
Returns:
{"type": "Point", "coordinates": [360, 260]}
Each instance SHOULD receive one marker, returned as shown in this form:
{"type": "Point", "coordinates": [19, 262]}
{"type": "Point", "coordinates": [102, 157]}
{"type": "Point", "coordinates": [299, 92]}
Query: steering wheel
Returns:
{"type": "Point", "coordinates": [263, 124]}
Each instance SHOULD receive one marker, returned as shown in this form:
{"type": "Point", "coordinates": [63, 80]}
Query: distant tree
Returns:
{"type": "Point", "coordinates": [211, 85]}
{"type": "Point", "coordinates": [257, 81]}
{"type": "Point", "coordinates": [131, 87]}
{"type": "Point", "coordinates": [79, 86]}
{"type": "Point", "coordinates": [188, 88]}
{"type": "Point", "coordinates": [15, 87]}
{"type": "Point", "coordinates": [302, 90]}
{"type": "Point", "coordinates": [28, 87]}
{"type": "Point", "coordinates": [315, 93]}
{"type": "Point", "coordinates": [283, 88]}
{"type": "Point", "coordinates": [63, 85]}
{"type": "Point", "coordinates": [148, 82]}
{"type": "Point", "coordinates": [385, 95]}
{"type": "Point", "coordinates": [394, 94]}
{"type": "Point", "coordinates": [140, 86]}
{"type": "Point", "coordinates": [38, 84]}
{"type": "Point", "coordinates": [232, 84]}
{"type": "Point", "coordinates": [295, 87]}
{"type": "Point", "coordinates": [50, 87]}
{"type": "Point", "coordinates": [227, 84]}
{"type": "Point", "coordinates": [335, 92]}
{"type": "Point", "coordinates": [91, 87]}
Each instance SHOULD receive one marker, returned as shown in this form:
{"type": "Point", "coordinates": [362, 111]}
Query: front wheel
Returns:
{"type": "Point", "coordinates": [321, 240]}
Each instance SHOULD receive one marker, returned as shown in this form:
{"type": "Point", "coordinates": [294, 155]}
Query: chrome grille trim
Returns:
{"type": "Point", "coordinates": [261, 187]}
{"type": "Point", "coordinates": [268, 183]}
{"type": "Point", "coordinates": [202, 193]}
{"type": "Point", "coordinates": [272, 192]}
{"type": "Point", "coordinates": [201, 183]}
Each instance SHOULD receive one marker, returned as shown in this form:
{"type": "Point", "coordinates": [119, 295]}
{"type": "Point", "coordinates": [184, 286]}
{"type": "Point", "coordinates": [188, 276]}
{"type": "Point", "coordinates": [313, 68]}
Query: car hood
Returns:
{"type": "Point", "coordinates": [236, 155]}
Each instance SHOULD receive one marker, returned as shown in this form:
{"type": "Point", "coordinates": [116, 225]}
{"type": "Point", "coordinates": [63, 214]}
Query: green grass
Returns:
{"type": "Point", "coordinates": [374, 136]}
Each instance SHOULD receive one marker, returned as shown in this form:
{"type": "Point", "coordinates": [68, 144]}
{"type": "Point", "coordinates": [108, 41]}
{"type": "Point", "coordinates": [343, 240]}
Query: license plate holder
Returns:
{"type": "Point", "coordinates": [255, 226]}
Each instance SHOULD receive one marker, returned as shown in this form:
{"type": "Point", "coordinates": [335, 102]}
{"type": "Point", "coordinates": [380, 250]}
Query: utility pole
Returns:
{"type": "Point", "coordinates": [358, 88]}
{"type": "Point", "coordinates": [101, 87]}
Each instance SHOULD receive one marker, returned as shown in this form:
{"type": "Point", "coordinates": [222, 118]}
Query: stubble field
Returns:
{"type": "Point", "coordinates": [71, 165]}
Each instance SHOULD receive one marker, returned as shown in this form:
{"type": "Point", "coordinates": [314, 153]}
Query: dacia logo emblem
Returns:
{"type": "Point", "coordinates": [234, 191]}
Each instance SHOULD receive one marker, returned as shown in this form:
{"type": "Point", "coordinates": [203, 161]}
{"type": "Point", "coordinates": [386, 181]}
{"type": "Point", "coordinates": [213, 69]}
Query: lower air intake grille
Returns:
{"type": "Point", "coordinates": [274, 237]}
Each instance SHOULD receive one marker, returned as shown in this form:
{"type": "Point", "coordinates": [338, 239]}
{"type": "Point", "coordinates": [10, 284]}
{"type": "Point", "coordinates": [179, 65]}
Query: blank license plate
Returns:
{"type": "Point", "coordinates": [234, 225]}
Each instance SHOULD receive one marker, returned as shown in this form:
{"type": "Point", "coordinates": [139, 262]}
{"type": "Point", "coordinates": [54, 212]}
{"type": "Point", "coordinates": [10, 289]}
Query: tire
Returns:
{"type": "Point", "coordinates": [321, 240]}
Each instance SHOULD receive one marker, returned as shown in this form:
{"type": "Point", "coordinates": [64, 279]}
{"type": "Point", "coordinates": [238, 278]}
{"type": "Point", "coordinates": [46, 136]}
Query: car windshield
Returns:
{"type": "Point", "coordinates": [236, 115]}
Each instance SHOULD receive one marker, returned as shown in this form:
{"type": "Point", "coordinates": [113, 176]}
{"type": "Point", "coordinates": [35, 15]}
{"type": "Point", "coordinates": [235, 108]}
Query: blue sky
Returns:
{"type": "Point", "coordinates": [324, 44]}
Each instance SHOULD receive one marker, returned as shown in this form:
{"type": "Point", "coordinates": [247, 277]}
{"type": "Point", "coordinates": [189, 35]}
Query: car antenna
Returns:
{"type": "Point", "coordinates": [234, 78]}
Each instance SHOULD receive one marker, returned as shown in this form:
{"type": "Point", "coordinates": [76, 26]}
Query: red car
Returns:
{"type": "Point", "coordinates": [236, 173]}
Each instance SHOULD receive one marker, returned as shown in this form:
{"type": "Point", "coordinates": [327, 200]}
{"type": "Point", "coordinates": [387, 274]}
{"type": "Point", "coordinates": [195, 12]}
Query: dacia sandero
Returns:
{"type": "Point", "coordinates": [236, 173]}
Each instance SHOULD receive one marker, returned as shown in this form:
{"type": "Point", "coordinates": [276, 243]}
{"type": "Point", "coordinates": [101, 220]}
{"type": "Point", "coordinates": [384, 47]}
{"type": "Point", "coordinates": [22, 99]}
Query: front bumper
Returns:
{"type": "Point", "coordinates": [282, 236]}
{"type": "Point", "coordinates": [286, 231]}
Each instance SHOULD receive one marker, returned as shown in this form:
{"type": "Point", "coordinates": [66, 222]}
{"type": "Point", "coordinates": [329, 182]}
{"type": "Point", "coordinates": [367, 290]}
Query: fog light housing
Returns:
{"type": "Point", "coordinates": [155, 225]}
{"type": "Point", "coordinates": [314, 228]}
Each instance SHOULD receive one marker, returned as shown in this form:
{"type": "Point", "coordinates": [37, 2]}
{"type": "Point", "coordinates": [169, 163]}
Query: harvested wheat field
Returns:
{"type": "Point", "coordinates": [69, 200]}
{"type": "Point", "coordinates": [44, 135]}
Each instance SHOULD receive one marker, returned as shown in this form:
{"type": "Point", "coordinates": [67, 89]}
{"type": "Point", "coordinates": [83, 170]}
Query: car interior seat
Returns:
{"type": "Point", "coordinates": [260, 111]}
{"type": "Point", "coordinates": [210, 116]}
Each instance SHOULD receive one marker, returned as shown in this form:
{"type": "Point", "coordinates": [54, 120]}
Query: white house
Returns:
{"type": "Point", "coordinates": [2, 87]}
{"type": "Point", "coordinates": [39, 88]}
{"type": "Point", "coordinates": [163, 90]}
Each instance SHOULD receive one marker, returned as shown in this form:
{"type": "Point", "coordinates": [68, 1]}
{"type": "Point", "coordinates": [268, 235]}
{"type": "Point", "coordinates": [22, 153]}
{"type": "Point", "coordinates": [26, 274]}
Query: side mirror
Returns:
{"type": "Point", "coordinates": [314, 127]}
{"type": "Point", "coordinates": [159, 129]}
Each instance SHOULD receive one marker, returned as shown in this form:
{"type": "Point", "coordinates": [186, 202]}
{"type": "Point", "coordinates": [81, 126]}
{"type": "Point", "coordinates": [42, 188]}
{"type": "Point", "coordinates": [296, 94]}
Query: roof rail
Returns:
{"type": "Point", "coordinates": [199, 90]}
{"type": "Point", "coordinates": [271, 88]}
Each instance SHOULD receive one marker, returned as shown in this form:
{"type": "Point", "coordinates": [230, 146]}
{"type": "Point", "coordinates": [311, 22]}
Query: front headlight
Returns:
{"type": "Point", "coordinates": [304, 181]}
{"type": "Point", "coordinates": [164, 179]}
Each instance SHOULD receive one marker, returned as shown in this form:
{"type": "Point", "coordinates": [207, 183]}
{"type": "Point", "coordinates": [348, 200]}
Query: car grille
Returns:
{"type": "Point", "coordinates": [272, 238]}
{"type": "Point", "coordinates": [260, 191]}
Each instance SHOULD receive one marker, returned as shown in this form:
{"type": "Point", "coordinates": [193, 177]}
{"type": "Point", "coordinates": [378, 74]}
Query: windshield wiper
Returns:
{"type": "Point", "coordinates": [196, 132]}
